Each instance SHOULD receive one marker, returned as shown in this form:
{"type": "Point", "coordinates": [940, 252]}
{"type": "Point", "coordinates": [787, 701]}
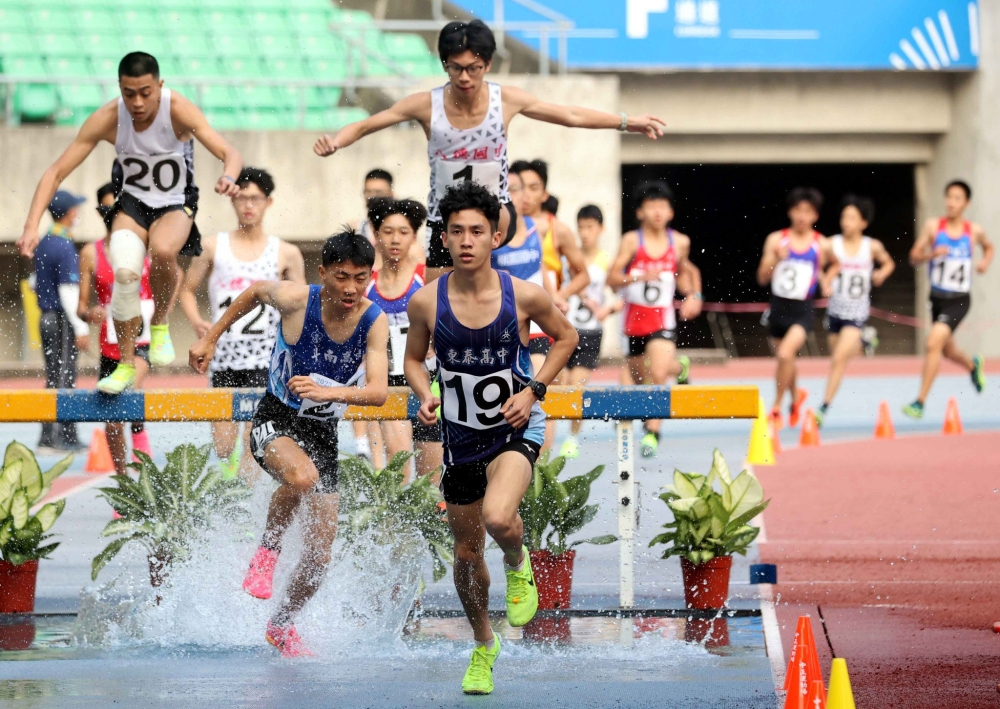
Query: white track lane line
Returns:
{"type": "Point", "coordinates": [772, 635]}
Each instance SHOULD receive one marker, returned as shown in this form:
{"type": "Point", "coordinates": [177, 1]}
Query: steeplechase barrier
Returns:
{"type": "Point", "coordinates": [612, 403]}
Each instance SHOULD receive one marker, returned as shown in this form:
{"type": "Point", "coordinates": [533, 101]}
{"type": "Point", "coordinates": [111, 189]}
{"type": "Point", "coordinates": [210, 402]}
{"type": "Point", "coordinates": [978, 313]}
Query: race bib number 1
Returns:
{"type": "Point", "coordinates": [322, 410]}
{"type": "Point", "coordinates": [448, 173]}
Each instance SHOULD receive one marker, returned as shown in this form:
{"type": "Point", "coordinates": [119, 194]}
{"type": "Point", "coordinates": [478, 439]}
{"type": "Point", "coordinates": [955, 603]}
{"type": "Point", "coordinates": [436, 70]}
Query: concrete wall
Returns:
{"type": "Point", "coordinates": [971, 151]}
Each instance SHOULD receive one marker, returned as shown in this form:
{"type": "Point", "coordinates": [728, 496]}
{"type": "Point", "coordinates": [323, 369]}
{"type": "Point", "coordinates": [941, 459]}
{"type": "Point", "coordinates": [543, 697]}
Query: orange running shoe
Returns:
{"type": "Point", "coordinates": [775, 420]}
{"type": "Point", "coordinates": [260, 575]}
{"type": "Point", "coordinates": [796, 408]}
{"type": "Point", "coordinates": [287, 640]}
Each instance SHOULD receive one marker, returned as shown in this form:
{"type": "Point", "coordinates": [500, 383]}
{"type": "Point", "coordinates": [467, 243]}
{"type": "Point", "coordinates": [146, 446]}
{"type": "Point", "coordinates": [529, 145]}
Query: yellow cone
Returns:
{"type": "Point", "coordinates": [839, 696]}
{"type": "Point", "coordinates": [761, 449]}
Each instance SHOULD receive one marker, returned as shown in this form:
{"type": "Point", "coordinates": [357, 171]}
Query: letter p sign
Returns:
{"type": "Point", "coordinates": [637, 16]}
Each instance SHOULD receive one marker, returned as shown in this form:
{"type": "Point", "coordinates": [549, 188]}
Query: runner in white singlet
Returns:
{"type": "Point", "coordinates": [948, 245]}
{"type": "Point", "coordinates": [850, 301]}
{"type": "Point", "coordinates": [234, 261]}
{"type": "Point", "coordinates": [152, 129]}
{"type": "Point", "coordinates": [466, 124]}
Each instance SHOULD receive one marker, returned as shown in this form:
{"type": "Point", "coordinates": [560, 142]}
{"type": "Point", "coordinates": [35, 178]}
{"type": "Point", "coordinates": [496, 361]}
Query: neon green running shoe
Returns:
{"type": "Point", "coordinates": [685, 362]}
{"type": "Point", "coordinates": [479, 677]}
{"type": "Point", "coordinates": [230, 467]}
{"type": "Point", "coordinates": [978, 376]}
{"type": "Point", "coordinates": [649, 445]}
{"type": "Point", "coordinates": [161, 348]}
{"type": "Point", "coordinates": [522, 595]}
{"type": "Point", "coordinates": [914, 410]}
{"type": "Point", "coordinates": [118, 381]}
{"type": "Point", "coordinates": [570, 448]}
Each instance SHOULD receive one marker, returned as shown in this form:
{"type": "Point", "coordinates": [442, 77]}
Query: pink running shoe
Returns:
{"type": "Point", "coordinates": [140, 442]}
{"type": "Point", "coordinates": [260, 575]}
{"type": "Point", "coordinates": [287, 640]}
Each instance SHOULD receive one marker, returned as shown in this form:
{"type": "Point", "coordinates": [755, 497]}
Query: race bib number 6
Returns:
{"type": "Point", "coordinates": [652, 294]}
{"type": "Point", "coordinates": [474, 401]}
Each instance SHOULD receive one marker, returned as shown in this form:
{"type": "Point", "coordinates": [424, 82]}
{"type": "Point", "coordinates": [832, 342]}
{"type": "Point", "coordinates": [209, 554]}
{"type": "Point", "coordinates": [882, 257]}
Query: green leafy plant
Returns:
{"type": "Point", "coordinates": [168, 509]}
{"type": "Point", "coordinates": [377, 501]}
{"type": "Point", "coordinates": [709, 522]}
{"type": "Point", "coordinates": [22, 486]}
{"type": "Point", "coordinates": [554, 509]}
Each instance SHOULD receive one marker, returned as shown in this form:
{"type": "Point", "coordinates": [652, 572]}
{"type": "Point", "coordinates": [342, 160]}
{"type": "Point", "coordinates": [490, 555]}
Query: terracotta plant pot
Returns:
{"type": "Point", "coordinates": [706, 585]}
{"type": "Point", "coordinates": [17, 586]}
{"type": "Point", "coordinates": [553, 578]}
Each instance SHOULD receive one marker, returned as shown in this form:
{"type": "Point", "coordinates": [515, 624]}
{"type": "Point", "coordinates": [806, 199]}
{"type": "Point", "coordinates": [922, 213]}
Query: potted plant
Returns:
{"type": "Point", "coordinates": [552, 511]}
{"type": "Point", "coordinates": [709, 526]}
{"type": "Point", "coordinates": [404, 521]}
{"type": "Point", "coordinates": [167, 509]}
{"type": "Point", "coordinates": [22, 486]}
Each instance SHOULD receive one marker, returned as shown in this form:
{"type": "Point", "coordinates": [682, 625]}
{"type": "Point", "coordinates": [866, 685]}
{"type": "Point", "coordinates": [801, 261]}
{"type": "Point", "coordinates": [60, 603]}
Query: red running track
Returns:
{"type": "Point", "coordinates": [896, 544]}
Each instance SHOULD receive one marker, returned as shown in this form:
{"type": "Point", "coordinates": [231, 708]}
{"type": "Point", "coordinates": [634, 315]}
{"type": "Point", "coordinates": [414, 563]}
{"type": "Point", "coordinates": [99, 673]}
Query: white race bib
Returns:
{"type": "Point", "coordinates": [448, 173]}
{"type": "Point", "coordinates": [322, 410]}
{"type": "Point", "coordinates": [253, 326]}
{"type": "Point", "coordinates": [651, 294]}
{"type": "Point", "coordinates": [792, 279]}
{"type": "Point", "coordinates": [157, 180]}
{"type": "Point", "coordinates": [147, 307]}
{"type": "Point", "coordinates": [473, 401]}
{"type": "Point", "coordinates": [397, 348]}
{"type": "Point", "coordinates": [582, 317]}
{"type": "Point", "coordinates": [853, 285]}
{"type": "Point", "coordinates": [952, 274]}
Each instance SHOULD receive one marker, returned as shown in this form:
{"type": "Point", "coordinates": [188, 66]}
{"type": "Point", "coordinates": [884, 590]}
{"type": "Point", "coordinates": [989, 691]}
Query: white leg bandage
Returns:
{"type": "Point", "coordinates": [127, 254]}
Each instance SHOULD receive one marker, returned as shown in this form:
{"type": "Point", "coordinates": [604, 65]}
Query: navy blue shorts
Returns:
{"type": "Point", "coordinates": [835, 324]}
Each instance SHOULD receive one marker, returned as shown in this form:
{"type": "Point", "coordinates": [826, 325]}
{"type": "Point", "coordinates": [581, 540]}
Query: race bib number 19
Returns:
{"type": "Point", "coordinates": [473, 401]}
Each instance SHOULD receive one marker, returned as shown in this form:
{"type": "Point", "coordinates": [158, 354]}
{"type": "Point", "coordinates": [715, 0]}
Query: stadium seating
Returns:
{"type": "Point", "coordinates": [243, 42]}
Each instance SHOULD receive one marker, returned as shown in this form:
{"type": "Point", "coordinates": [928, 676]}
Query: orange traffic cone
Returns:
{"type": "Point", "coordinates": [816, 699]}
{"type": "Point", "coordinates": [952, 421]}
{"type": "Point", "coordinates": [803, 666]}
{"type": "Point", "coordinates": [883, 426]}
{"type": "Point", "coordinates": [99, 455]}
{"type": "Point", "coordinates": [810, 431]}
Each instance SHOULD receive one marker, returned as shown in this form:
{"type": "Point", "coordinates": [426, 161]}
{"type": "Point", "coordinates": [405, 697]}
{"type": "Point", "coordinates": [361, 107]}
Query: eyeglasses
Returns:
{"type": "Point", "coordinates": [473, 70]}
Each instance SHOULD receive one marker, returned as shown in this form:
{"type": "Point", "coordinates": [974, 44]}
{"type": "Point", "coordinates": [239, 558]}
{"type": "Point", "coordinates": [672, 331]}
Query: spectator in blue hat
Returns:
{"type": "Point", "coordinates": [64, 334]}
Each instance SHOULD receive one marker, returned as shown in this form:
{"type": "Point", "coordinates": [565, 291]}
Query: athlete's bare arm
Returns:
{"type": "Point", "coordinates": [289, 299]}
{"type": "Point", "coordinates": [921, 251]}
{"type": "Point", "coordinates": [829, 266]}
{"type": "Point", "coordinates": [416, 107]}
{"type": "Point", "coordinates": [101, 125]}
{"type": "Point", "coordinates": [421, 311]}
{"type": "Point", "coordinates": [773, 253]}
{"type": "Point", "coordinates": [517, 100]}
{"type": "Point", "coordinates": [291, 266]}
{"type": "Point", "coordinates": [886, 264]}
{"type": "Point", "coordinates": [193, 123]}
{"type": "Point", "coordinates": [688, 278]}
{"type": "Point", "coordinates": [579, 277]}
{"type": "Point", "coordinates": [534, 304]}
{"type": "Point", "coordinates": [617, 277]}
{"type": "Point", "coordinates": [197, 272]}
{"type": "Point", "coordinates": [376, 388]}
{"type": "Point", "coordinates": [979, 236]}
{"type": "Point", "coordinates": [88, 264]}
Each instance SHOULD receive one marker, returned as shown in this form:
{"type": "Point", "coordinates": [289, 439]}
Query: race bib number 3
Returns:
{"type": "Point", "coordinates": [322, 410]}
{"type": "Point", "coordinates": [652, 294]}
{"type": "Point", "coordinates": [452, 172]}
{"type": "Point", "coordinates": [792, 279]}
{"type": "Point", "coordinates": [473, 401]}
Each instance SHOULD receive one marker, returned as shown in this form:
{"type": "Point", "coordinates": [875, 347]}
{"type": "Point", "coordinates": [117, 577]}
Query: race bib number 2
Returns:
{"type": "Point", "coordinates": [473, 401]}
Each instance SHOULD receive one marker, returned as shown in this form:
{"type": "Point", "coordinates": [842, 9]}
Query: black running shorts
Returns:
{"type": "Point", "coordinates": [145, 216]}
{"type": "Point", "coordinates": [834, 324]}
{"type": "Point", "coordinates": [786, 312]}
{"type": "Point", "coordinates": [637, 343]}
{"type": "Point", "coordinates": [588, 350]}
{"type": "Point", "coordinates": [950, 311]}
{"type": "Point", "coordinates": [317, 439]}
{"type": "Point", "coordinates": [239, 379]}
{"type": "Point", "coordinates": [438, 255]}
{"type": "Point", "coordinates": [465, 483]}
{"type": "Point", "coordinates": [109, 365]}
{"type": "Point", "coordinates": [539, 344]}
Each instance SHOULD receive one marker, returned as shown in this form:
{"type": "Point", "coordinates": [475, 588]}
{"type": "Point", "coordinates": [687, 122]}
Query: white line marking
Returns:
{"type": "Point", "coordinates": [925, 48]}
{"type": "Point", "coordinates": [974, 29]}
{"type": "Point", "coordinates": [912, 55]}
{"type": "Point", "coordinates": [774, 34]}
{"type": "Point", "coordinates": [949, 36]}
{"type": "Point", "coordinates": [897, 61]}
{"type": "Point", "coordinates": [936, 41]}
{"type": "Point", "coordinates": [772, 634]}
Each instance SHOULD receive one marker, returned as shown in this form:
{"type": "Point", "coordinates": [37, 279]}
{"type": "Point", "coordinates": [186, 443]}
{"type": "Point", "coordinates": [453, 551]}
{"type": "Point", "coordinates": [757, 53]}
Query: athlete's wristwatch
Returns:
{"type": "Point", "coordinates": [538, 389]}
{"type": "Point", "coordinates": [623, 126]}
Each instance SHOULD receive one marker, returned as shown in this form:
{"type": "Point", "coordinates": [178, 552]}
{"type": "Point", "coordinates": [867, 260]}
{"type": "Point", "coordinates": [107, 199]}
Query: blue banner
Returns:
{"type": "Point", "coordinates": [752, 34]}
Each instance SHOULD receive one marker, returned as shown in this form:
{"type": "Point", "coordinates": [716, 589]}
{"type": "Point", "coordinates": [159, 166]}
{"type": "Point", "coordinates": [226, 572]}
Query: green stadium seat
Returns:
{"type": "Point", "coordinates": [68, 66]}
{"type": "Point", "coordinates": [223, 20]}
{"type": "Point", "coordinates": [106, 65]}
{"type": "Point", "coordinates": [309, 22]}
{"type": "Point", "coordinates": [186, 43]}
{"type": "Point", "coordinates": [402, 45]}
{"type": "Point", "coordinates": [271, 46]}
{"type": "Point", "coordinates": [148, 41]}
{"type": "Point", "coordinates": [258, 97]}
{"type": "Point", "coordinates": [138, 19]}
{"type": "Point", "coordinates": [244, 65]}
{"type": "Point", "coordinates": [334, 118]}
{"type": "Point", "coordinates": [268, 120]}
{"type": "Point", "coordinates": [233, 44]}
{"type": "Point", "coordinates": [267, 5]}
{"type": "Point", "coordinates": [354, 23]}
{"type": "Point", "coordinates": [215, 97]}
{"type": "Point", "coordinates": [286, 68]}
{"type": "Point", "coordinates": [20, 43]}
{"type": "Point", "coordinates": [329, 69]}
{"type": "Point", "coordinates": [237, 5]}
{"type": "Point", "coordinates": [95, 44]}
{"type": "Point", "coordinates": [309, 5]}
{"type": "Point", "coordinates": [24, 66]}
{"type": "Point", "coordinates": [182, 20]}
{"type": "Point", "coordinates": [326, 46]}
{"type": "Point", "coordinates": [52, 44]}
{"type": "Point", "coordinates": [169, 66]}
{"type": "Point", "coordinates": [293, 98]}
{"type": "Point", "coordinates": [423, 68]}
{"type": "Point", "coordinates": [226, 120]}
{"type": "Point", "coordinates": [205, 67]}
{"type": "Point", "coordinates": [80, 97]}
{"type": "Point", "coordinates": [266, 22]}
{"type": "Point", "coordinates": [14, 20]}
{"type": "Point", "coordinates": [96, 19]}
{"type": "Point", "coordinates": [188, 91]}
{"type": "Point", "coordinates": [35, 102]}
{"type": "Point", "coordinates": [51, 19]}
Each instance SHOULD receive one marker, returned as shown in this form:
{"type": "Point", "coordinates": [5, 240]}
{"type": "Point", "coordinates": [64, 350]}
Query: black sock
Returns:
{"type": "Point", "coordinates": [138, 427]}
{"type": "Point", "coordinates": [824, 407]}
